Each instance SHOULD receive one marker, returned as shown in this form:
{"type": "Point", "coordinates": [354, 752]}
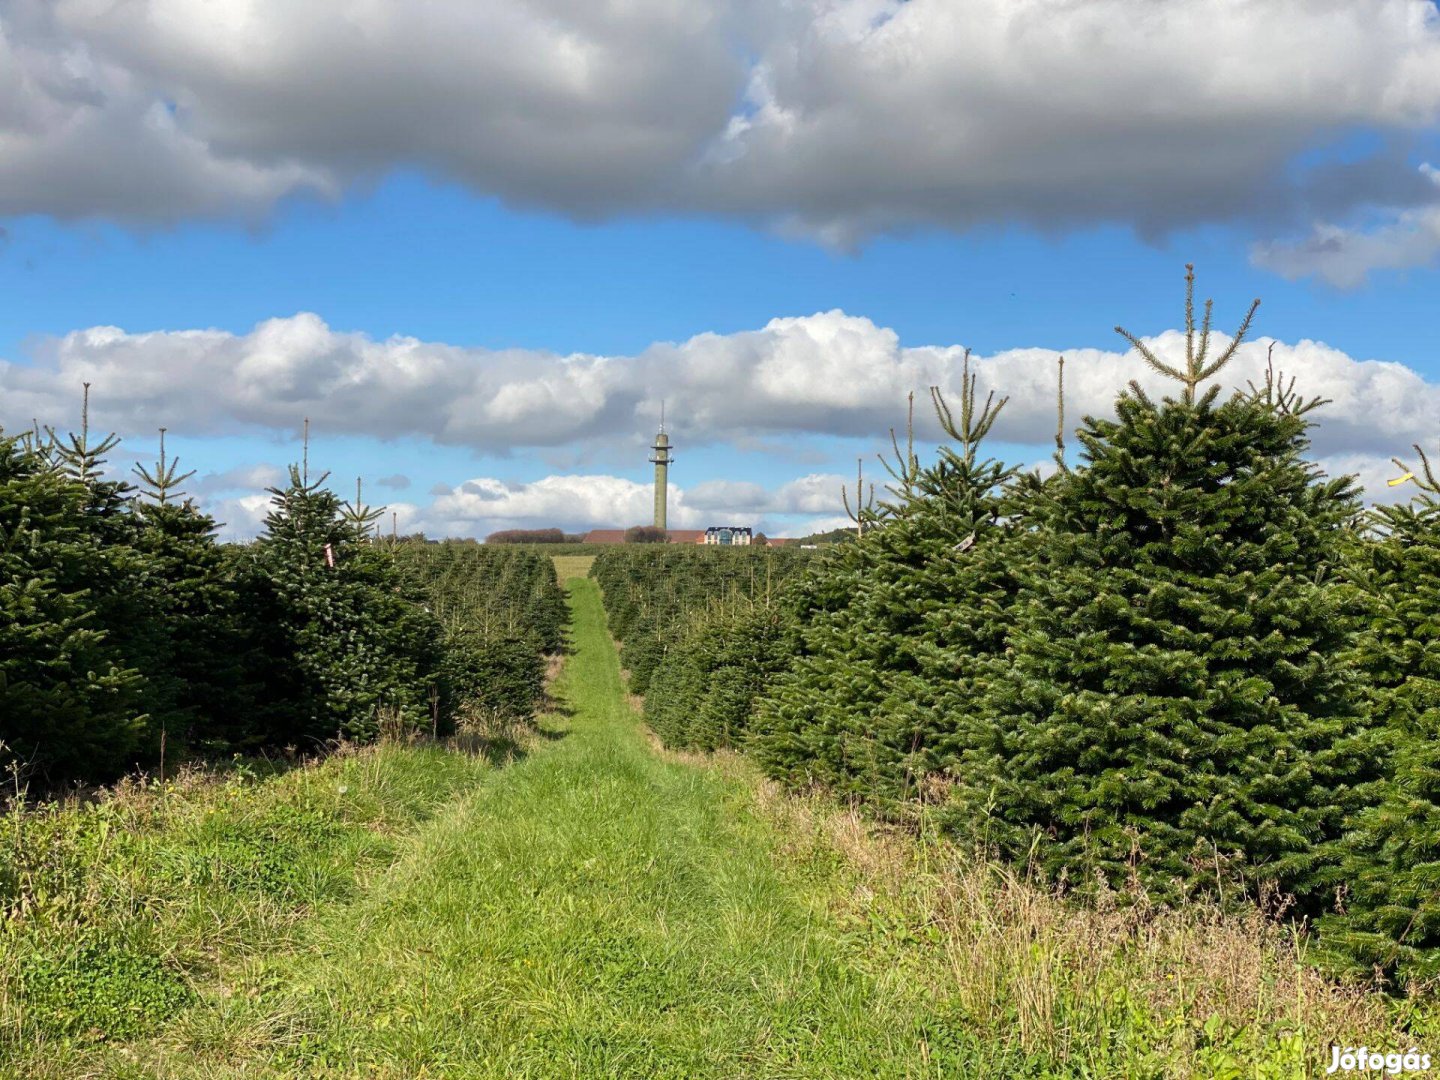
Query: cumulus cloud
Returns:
{"type": "Point", "coordinates": [816, 493]}
{"type": "Point", "coordinates": [879, 114]}
{"type": "Point", "coordinates": [240, 517]}
{"type": "Point", "coordinates": [824, 374]}
{"type": "Point", "coordinates": [156, 110]}
{"type": "Point", "coordinates": [1372, 472]}
{"type": "Point", "coordinates": [480, 506]}
{"type": "Point", "coordinates": [396, 482]}
{"type": "Point", "coordinates": [835, 118]}
{"type": "Point", "coordinates": [483, 505]}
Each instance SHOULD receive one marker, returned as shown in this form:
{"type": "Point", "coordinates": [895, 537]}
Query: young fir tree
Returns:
{"type": "Point", "coordinates": [195, 668]}
{"type": "Point", "coordinates": [889, 627]}
{"type": "Point", "coordinates": [1178, 705]}
{"type": "Point", "coordinates": [72, 707]}
{"type": "Point", "coordinates": [1391, 863]}
{"type": "Point", "coordinates": [345, 645]}
{"type": "Point", "coordinates": [123, 594]}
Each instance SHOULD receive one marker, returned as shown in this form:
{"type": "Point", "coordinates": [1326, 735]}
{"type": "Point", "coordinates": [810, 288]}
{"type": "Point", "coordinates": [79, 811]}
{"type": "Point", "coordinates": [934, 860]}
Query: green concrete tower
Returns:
{"type": "Point", "coordinates": [662, 461]}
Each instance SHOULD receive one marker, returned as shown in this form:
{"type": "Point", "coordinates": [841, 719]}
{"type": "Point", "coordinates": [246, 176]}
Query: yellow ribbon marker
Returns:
{"type": "Point", "coordinates": [1401, 479]}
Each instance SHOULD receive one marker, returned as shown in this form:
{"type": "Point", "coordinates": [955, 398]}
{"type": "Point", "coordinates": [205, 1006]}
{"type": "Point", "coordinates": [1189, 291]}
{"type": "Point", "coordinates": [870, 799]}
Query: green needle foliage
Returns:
{"type": "Point", "coordinates": [895, 631]}
{"type": "Point", "coordinates": [651, 590]}
{"type": "Point", "coordinates": [1178, 708]}
{"type": "Point", "coordinates": [71, 703]}
{"type": "Point", "coordinates": [196, 663]}
{"type": "Point", "coordinates": [504, 613]}
{"type": "Point", "coordinates": [130, 637]}
{"type": "Point", "coordinates": [703, 693]}
{"type": "Point", "coordinates": [1391, 917]}
{"type": "Point", "coordinates": [345, 647]}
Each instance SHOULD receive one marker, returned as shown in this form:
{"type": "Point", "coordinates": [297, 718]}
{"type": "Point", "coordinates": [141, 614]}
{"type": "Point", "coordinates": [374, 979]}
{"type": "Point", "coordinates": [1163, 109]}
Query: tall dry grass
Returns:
{"type": "Point", "coordinates": [1049, 976]}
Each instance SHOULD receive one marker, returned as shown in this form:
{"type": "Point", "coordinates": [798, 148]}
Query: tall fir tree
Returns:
{"type": "Point", "coordinates": [71, 705]}
{"type": "Point", "coordinates": [346, 646]}
{"type": "Point", "coordinates": [196, 664]}
{"type": "Point", "coordinates": [1178, 707]}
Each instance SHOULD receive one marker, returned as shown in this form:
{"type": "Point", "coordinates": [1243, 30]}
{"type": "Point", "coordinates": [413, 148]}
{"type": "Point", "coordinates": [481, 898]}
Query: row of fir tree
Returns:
{"type": "Point", "coordinates": [1188, 664]}
{"type": "Point", "coordinates": [127, 630]}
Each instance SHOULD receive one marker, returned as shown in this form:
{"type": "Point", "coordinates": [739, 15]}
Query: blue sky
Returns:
{"type": "Point", "coordinates": [597, 224]}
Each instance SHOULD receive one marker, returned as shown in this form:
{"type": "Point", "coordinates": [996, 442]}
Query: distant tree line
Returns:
{"type": "Point", "coordinates": [534, 536]}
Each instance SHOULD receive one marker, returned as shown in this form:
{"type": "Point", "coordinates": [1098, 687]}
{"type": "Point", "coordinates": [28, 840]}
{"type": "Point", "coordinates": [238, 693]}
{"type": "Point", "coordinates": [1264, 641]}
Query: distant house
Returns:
{"type": "Point", "coordinates": [733, 535]}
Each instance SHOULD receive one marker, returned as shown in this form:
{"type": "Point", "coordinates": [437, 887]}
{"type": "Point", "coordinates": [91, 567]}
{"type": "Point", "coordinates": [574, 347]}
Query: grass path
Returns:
{"type": "Point", "coordinates": [594, 910]}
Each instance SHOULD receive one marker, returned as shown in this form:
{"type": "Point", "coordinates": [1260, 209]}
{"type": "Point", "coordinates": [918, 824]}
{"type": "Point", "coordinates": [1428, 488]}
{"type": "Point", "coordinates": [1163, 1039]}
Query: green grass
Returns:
{"type": "Point", "coordinates": [123, 917]}
{"type": "Point", "coordinates": [601, 909]}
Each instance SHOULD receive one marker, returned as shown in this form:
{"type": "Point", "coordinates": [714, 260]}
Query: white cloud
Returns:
{"type": "Point", "coordinates": [816, 493]}
{"type": "Point", "coordinates": [853, 117]}
{"type": "Point", "coordinates": [241, 517]}
{"type": "Point", "coordinates": [823, 374]}
{"type": "Point", "coordinates": [484, 505]}
{"type": "Point", "coordinates": [1373, 473]}
{"type": "Point", "coordinates": [156, 110]}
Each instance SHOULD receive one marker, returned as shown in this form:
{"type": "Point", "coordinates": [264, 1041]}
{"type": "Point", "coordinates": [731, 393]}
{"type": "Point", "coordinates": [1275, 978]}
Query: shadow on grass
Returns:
{"type": "Point", "coordinates": [505, 743]}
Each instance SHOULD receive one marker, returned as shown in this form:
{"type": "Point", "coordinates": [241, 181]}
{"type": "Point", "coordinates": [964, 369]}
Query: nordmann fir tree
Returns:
{"type": "Point", "coordinates": [889, 627]}
{"type": "Point", "coordinates": [346, 648]}
{"type": "Point", "coordinates": [121, 595]}
{"type": "Point", "coordinates": [196, 670]}
{"type": "Point", "coordinates": [1391, 853]}
{"type": "Point", "coordinates": [1178, 709]}
{"type": "Point", "coordinates": [71, 705]}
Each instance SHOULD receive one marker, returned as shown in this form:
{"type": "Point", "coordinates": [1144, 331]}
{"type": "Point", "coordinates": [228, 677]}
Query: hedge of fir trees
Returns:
{"type": "Point", "coordinates": [503, 611]}
{"type": "Point", "coordinates": [894, 632]}
{"type": "Point", "coordinates": [651, 589]}
{"type": "Point", "coordinates": [1185, 663]}
{"type": "Point", "coordinates": [530, 536]}
{"type": "Point", "coordinates": [726, 655]}
{"type": "Point", "coordinates": [127, 631]}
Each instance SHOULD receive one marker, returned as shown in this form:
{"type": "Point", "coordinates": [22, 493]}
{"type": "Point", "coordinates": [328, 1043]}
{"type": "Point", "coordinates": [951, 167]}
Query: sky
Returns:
{"type": "Point", "coordinates": [477, 244]}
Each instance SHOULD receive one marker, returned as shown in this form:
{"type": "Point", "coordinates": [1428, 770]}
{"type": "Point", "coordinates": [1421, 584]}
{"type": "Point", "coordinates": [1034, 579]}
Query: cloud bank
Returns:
{"type": "Point", "coordinates": [835, 119]}
{"type": "Point", "coordinates": [827, 374]}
